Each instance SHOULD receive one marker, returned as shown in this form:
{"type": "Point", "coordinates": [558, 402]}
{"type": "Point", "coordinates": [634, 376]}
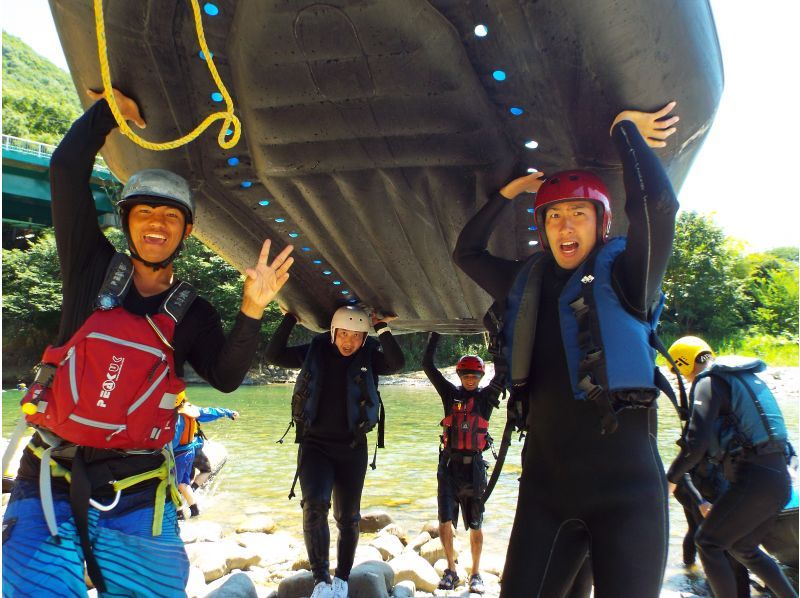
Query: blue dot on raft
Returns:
{"type": "Point", "coordinates": [263, 202]}
{"type": "Point", "coordinates": [233, 161]}
{"type": "Point", "coordinates": [247, 184]}
{"type": "Point", "coordinates": [337, 282]}
{"type": "Point", "coordinates": [294, 235]}
{"type": "Point", "coordinates": [211, 9]}
{"type": "Point", "coordinates": [353, 300]}
{"type": "Point", "coordinates": [516, 110]}
{"type": "Point", "coordinates": [306, 248]}
{"type": "Point", "coordinates": [229, 132]}
{"type": "Point", "coordinates": [345, 292]}
{"type": "Point", "coordinates": [481, 30]}
{"type": "Point", "coordinates": [202, 55]}
{"type": "Point", "coordinates": [327, 272]}
{"type": "Point", "coordinates": [216, 96]}
{"type": "Point", "coordinates": [499, 75]}
{"type": "Point", "coordinates": [280, 220]}
{"type": "Point", "coordinates": [318, 262]}
{"type": "Point", "coordinates": [530, 210]}
{"type": "Point", "coordinates": [531, 228]}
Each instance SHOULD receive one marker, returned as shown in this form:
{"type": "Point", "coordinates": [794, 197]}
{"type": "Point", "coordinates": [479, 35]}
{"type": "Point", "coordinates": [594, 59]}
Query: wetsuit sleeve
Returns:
{"type": "Point", "coordinates": [443, 387]}
{"type": "Point", "coordinates": [210, 414]}
{"type": "Point", "coordinates": [490, 395]}
{"type": "Point", "coordinates": [83, 250]}
{"type": "Point", "coordinates": [390, 359]}
{"type": "Point", "coordinates": [222, 360]}
{"type": "Point", "coordinates": [278, 353]}
{"type": "Point", "coordinates": [708, 401]}
{"type": "Point", "coordinates": [495, 275]}
{"type": "Point", "coordinates": [651, 206]}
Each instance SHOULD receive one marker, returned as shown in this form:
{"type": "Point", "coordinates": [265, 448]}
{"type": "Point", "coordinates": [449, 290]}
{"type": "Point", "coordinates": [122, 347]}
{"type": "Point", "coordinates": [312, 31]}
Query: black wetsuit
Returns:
{"type": "Point", "coordinates": [461, 475]}
{"type": "Point", "coordinates": [331, 462]}
{"type": "Point", "coordinates": [581, 491]}
{"type": "Point", "coordinates": [84, 254]}
{"type": "Point", "coordinates": [744, 512]}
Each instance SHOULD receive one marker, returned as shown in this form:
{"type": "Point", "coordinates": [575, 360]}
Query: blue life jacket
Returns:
{"type": "Point", "coordinates": [622, 338]}
{"type": "Point", "coordinates": [363, 400]}
{"type": "Point", "coordinates": [755, 422]}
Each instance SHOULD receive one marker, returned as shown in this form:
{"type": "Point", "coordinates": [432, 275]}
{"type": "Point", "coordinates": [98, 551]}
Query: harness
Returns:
{"type": "Point", "coordinates": [106, 404]}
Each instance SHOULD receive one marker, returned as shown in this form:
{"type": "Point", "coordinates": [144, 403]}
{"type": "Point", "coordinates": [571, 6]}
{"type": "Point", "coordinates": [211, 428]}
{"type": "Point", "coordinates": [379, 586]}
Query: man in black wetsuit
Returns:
{"type": "Point", "coordinates": [737, 422]}
{"type": "Point", "coordinates": [335, 404]}
{"type": "Point", "coordinates": [135, 547]}
{"type": "Point", "coordinates": [461, 474]}
{"type": "Point", "coordinates": [592, 479]}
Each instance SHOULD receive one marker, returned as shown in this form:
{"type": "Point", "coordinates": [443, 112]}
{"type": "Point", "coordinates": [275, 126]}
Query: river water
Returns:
{"type": "Point", "coordinates": [259, 471]}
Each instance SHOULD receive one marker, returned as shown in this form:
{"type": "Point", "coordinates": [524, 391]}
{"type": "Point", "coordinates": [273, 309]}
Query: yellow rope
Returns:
{"type": "Point", "coordinates": [230, 120]}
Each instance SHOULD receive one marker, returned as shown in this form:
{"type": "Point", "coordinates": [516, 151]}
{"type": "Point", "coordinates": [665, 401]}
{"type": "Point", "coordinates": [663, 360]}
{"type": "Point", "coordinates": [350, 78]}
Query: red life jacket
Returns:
{"type": "Point", "coordinates": [113, 384]}
{"type": "Point", "coordinates": [464, 428]}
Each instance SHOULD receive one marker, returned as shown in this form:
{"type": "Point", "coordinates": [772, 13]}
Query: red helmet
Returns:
{"type": "Point", "coordinates": [573, 184]}
{"type": "Point", "coordinates": [471, 364]}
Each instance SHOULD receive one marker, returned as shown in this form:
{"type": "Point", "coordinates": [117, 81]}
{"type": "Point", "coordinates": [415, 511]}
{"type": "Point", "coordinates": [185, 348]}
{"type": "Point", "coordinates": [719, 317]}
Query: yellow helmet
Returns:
{"type": "Point", "coordinates": [685, 352]}
{"type": "Point", "coordinates": [180, 398]}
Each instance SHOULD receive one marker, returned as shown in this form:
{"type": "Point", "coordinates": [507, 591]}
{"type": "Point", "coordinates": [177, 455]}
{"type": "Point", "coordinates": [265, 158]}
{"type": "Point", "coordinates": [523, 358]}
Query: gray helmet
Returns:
{"type": "Point", "coordinates": [154, 184]}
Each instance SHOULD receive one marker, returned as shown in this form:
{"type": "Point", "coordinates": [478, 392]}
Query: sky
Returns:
{"type": "Point", "coordinates": [743, 175]}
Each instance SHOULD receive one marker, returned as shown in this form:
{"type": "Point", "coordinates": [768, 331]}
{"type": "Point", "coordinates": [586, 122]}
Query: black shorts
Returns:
{"type": "Point", "coordinates": [461, 485]}
{"type": "Point", "coordinates": [201, 462]}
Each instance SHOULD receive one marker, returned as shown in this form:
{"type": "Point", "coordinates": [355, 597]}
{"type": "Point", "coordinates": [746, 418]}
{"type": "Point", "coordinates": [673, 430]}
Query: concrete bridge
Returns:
{"type": "Point", "coordinates": [26, 190]}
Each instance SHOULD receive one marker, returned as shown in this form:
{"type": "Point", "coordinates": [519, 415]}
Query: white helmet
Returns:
{"type": "Point", "coordinates": [350, 317]}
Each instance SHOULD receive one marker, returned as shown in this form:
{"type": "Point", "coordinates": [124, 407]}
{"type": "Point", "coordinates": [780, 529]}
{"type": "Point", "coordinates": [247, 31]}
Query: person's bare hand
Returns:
{"type": "Point", "coordinates": [385, 319]}
{"type": "Point", "coordinates": [652, 128]}
{"type": "Point", "coordinates": [127, 107]}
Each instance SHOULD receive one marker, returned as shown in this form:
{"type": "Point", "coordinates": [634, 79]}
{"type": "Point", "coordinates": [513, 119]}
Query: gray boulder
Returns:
{"type": "Point", "coordinates": [411, 566]}
{"type": "Point", "coordinates": [372, 579]}
{"type": "Point", "coordinates": [237, 585]}
{"type": "Point", "coordinates": [374, 521]}
{"type": "Point", "coordinates": [389, 546]}
{"type": "Point", "coordinates": [298, 585]}
{"type": "Point", "coordinates": [404, 589]}
{"type": "Point", "coordinates": [258, 523]}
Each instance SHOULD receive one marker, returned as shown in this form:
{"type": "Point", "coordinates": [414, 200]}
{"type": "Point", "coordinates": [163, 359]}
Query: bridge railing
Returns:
{"type": "Point", "coordinates": [41, 150]}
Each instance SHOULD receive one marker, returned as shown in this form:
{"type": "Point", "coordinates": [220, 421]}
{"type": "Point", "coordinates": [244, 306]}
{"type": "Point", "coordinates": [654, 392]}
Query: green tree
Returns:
{"type": "Point", "coordinates": [39, 99]}
{"type": "Point", "coordinates": [703, 283]}
{"type": "Point", "coordinates": [772, 286]}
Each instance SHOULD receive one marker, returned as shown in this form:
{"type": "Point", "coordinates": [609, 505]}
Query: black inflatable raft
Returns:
{"type": "Point", "coordinates": [373, 129]}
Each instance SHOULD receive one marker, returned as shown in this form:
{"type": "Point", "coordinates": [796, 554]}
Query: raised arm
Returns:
{"type": "Point", "coordinates": [650, 205]}
{"type": "Point", "coordinates": [493, 274]}
{"type": "Point", "coordinates": [440, 383]}
{"type": "Point", "coordinates": [390, 359]}
{"type": "Point", "coordinates": [278, 353]}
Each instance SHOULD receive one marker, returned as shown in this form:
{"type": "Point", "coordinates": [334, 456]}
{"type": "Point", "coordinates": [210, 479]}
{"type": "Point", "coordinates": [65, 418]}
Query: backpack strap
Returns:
{"type": "Point", "coordinates": [117, 283]}
{"type": "Point", "coordinates": [178, 302]}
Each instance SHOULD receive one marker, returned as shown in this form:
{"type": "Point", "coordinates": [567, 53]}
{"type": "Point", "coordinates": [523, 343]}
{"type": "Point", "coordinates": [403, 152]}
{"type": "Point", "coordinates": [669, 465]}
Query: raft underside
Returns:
{"type": "Point", "coordinates": [375, 128]}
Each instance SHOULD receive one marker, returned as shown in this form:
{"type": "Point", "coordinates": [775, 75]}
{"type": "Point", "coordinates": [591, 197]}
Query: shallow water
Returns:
{"type": "Point", "coordinates": [259, 471]}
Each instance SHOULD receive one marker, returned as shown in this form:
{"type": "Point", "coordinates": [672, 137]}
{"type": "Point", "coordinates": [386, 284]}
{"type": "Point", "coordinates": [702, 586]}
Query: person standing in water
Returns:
{"type": "Point", "coordinates": [335, 404]}
{"type": "Point", "coordinates": [461, 475]}
{"type": "Point", "coordinates": [736, 421]}
{"type": "Point", "coordinates": [578, 318]}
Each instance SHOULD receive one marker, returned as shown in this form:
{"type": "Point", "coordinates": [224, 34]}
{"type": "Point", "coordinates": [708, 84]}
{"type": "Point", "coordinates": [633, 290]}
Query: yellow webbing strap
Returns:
{"type": "Point", "coordinates": [161, 472]}
{"type": "Point", "coordinates": [56, 469]}
{"type": "Point", "coordinates": [230, 120]}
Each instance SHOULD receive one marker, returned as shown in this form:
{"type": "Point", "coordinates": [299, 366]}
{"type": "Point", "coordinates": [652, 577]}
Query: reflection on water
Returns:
{"type": "Point", "coordinates": [259, 471]}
